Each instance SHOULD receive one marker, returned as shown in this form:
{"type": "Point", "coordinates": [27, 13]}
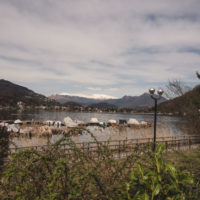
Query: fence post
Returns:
{"type": "Point", "coordinates": [179, 144]}
{"type": "Point", "coordinates": [136, 145]}
{"type": "Point", "coordinates": [88, 148]}
{"type": "Point", "coordinates": [189, 142]}
{"type": "Point", "coordinates": [83, 147]}
{"type": "Point", "coordinates": [119, 149]}
{"type": "Point", "coordinates": [166, 145]}
{"type": "Point", "coordinates": [175, 142]}
{"type": "Point", "coordinates": [125, 147]}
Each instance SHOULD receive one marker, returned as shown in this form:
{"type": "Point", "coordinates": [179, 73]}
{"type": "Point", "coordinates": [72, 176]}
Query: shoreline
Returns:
{"type": "Point", "coordinates": [80, 111]}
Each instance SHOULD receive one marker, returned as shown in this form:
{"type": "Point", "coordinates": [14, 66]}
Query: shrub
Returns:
{"type": "Point", "coordinates": [159, 180]}
{"type": "Point", "coordinates": [52, 174]}
{"type": "Point", "coordinates": [4, 145]}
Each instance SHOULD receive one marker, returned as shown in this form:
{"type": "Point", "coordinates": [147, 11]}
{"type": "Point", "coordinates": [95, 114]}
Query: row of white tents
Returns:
{"type": "Point", "coordinates": [113, 121]}
{"type": "Point", "coordinates": [68, 122]}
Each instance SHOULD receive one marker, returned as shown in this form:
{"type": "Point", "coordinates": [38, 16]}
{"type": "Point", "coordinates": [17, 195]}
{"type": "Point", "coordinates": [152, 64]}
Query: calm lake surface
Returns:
{"type": "Point", "coordinates": [167, 125]}
{"type": "Point", "coordinates": [82, 116]}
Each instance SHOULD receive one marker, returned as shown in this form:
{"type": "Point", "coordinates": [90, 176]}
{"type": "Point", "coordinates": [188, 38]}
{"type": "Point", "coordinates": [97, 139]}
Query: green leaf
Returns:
{"type": "Point", "coordinates": [133, 176]}
{"type": "Point", "coordinates": [146, 196]}
{"type": "Point", "coordinates": [172, 170]}
{"type": "Point", "coordinates": [159, 150]}
{"type": "Point", "coordinates": [140, 169]}
{"type": "Point", "coordinates": [156, 190]}
{"type": "Point", "coordinates": [187, 180]}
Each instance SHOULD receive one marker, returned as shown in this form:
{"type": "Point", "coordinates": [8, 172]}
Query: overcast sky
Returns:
{"type": "Point", "coordinates": [111, 47]}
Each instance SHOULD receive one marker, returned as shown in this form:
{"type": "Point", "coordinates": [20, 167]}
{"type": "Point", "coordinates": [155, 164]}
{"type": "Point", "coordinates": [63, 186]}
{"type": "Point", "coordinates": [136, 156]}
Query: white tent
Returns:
{"type": "Point", "coordinates": [69, 122]}
{"type": "Point", "coordinates": [133, 121]}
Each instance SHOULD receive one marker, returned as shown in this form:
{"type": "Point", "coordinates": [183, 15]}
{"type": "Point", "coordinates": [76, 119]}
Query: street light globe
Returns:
{"type": "Point", "coordinates": [151, 91]}
{"type": "Point", "coordinates": [160, 92]}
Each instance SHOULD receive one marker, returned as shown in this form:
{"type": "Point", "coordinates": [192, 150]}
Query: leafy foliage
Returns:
{"type": "Point", "coordinates": [4, 145]}
{"type": "Point", "coordinates": [54, 173]}
{"type": "Point", "coordinates": [159, 181]}
{"type": "Point", "coordinates": [188, 160]}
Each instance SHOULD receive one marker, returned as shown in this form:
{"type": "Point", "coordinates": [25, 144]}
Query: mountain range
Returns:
{"type": "Point", "coordinates": [132, 102]}
{"type": "Point", "coordinates": [11, 94]}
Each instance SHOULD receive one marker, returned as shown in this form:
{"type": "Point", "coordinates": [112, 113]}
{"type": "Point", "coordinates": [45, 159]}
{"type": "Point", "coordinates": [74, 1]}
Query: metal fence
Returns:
{"type": "Point", "coordinates": [121, 148]}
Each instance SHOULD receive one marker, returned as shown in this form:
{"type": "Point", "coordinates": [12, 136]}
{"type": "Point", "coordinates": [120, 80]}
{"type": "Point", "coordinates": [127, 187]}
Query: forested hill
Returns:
{"type": "Point", "coordinates": [11, 94]}
{"type": "Point", "coordinates": [187, 103]}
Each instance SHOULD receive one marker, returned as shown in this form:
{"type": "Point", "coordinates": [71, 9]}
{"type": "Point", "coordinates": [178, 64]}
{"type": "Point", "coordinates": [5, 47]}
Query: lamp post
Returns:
{"type": "Point", "coordinates": [155, 98]}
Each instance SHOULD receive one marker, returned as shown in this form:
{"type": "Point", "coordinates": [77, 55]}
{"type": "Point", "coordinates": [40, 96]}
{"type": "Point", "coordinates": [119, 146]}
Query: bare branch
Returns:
{"type": "Point", "coordinates": [175, 88]}
{"type": "Point", "coordinates": [198, 75]}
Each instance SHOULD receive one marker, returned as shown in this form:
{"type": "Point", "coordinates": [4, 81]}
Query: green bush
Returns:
{"type": "Point", "coordinates": [4, 145]}
{"type": "Point", "coordinates": [159, 180]}
{"type": "Point", "coordinates": [52, 174]}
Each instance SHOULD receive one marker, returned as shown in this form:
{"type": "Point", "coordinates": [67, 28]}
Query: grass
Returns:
{"type": "Point", "coordinates": [188, 159]}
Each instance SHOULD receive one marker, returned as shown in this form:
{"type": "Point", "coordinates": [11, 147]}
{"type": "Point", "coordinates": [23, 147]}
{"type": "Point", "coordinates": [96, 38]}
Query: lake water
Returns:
{"type": "Point", "coordinates": [167, 125]}
{"type": "Point", "coordinates": [82, 116]}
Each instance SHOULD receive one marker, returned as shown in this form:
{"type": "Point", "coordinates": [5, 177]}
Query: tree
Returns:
{"type": "Point", "coordinates": [175, 88]}
{"type": "Point", "coordinates": [198, 75]}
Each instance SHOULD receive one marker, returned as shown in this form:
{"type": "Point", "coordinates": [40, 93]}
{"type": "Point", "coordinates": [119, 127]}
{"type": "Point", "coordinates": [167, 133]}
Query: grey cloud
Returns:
{"type": "Point", "coordinates": [100, 44]}
{"type": "Point", "coordinates": [19, 60]}
{"type": "Point", "coordinates": [194, 50]}
{"type": "Point", "coordinates": [146, 50]}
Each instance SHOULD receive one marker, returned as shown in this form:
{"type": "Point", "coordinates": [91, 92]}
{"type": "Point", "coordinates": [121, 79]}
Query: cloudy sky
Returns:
{"type": "Point", "coordinates": [111, 47]}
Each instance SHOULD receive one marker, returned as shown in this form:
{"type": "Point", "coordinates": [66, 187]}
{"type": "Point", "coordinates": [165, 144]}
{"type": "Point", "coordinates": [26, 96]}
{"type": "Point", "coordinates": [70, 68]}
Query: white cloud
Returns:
{"type": "Point", "coordinates": [94, 89]}
{"type": "Point", "coordinates": [99, 45]}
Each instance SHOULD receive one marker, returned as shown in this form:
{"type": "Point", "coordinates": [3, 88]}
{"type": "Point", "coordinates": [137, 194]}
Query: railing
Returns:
{"type": "Point", "coordinates": [121, 148]}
